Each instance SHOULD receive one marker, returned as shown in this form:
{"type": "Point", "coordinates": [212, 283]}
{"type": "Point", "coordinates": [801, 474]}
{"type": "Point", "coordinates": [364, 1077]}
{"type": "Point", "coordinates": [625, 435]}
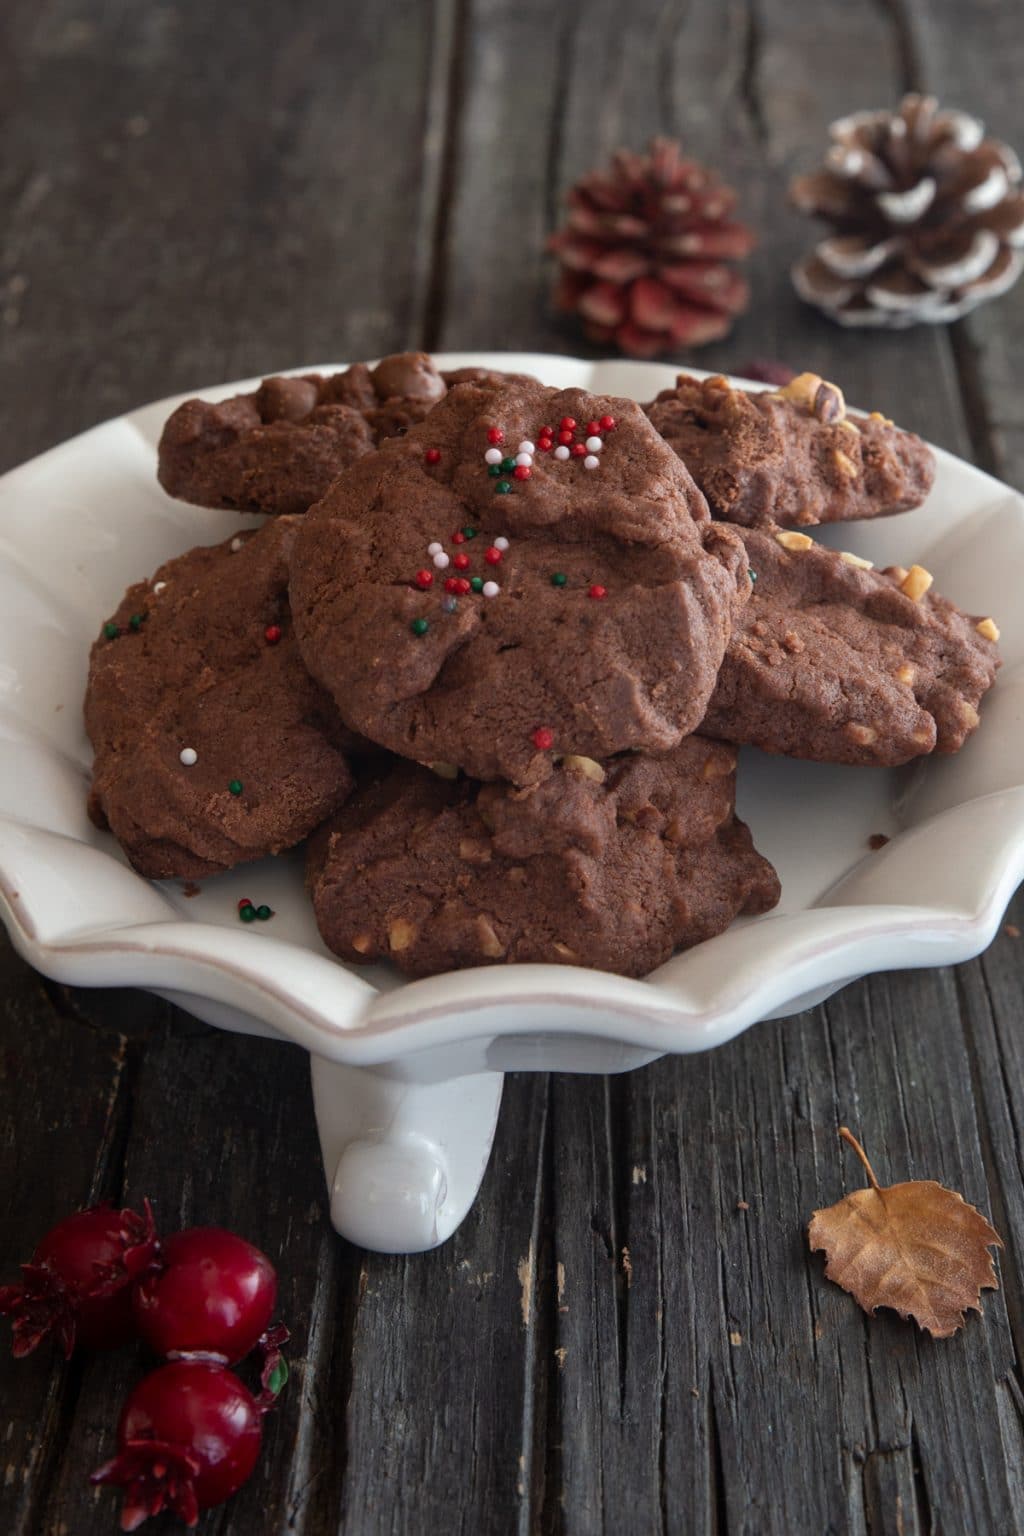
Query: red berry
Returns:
{"type": "Point", "coordinates": [493, 556]}
{"type": "Point", "coordinates": [593, 428]}
{"type": "Point", "coordinates": [543, 739]}
{"type": "Point", "coordinates": [78, 1283]}
{"type": "Point", "coordinates": [424, 579]}
{"type": "Point", "coordinates": [458, 538]}
{"type": "Point", "coordinates": [607, 423]}
{"type": "Point", "coordinates": [578, 450]}
{"type": "Point", "coordinates": [188, 1438]}
{"type": "Point", "coordinates": [598, 591]}
{"type": "Point", "coordinates": [568, 423]}
{"type": "Point", "coordinates": [433, 456]}
{"type": "Point", "coordinates": [461, 562]}
{"type": "Point", "coordinates": [495, 435]}
{"type": "Point", "coordinates": [272, 634]}
{"type": "Point", "coordinates": [213, 1296]}
{"type": "Point", "coordinates": [521, 472]}
{"type": "Point", "coordinates": [565, 438]}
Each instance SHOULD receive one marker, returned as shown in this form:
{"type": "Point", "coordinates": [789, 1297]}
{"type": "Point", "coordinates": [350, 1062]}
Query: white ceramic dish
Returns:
{"type": "Point", "coordinates": [407, 1076]}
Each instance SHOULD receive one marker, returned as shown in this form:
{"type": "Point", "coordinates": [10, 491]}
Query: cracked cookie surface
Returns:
{"type": "Point", "coordinates": [611, 865]}
{"type": "Point", "coordinates": [790, 457]}
{"type": "Point", "coordinates": [471, 596]}
{"type": "Point", "coordinates": [213, 744]}
{"type": "Point", "coordinates": [838, 662]}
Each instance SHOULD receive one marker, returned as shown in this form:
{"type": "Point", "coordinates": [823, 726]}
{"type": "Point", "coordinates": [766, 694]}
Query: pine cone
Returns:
{"type": "Point", "coordinates": [926, 212]}
{"type": "Point", "coordinates": [644, 251]}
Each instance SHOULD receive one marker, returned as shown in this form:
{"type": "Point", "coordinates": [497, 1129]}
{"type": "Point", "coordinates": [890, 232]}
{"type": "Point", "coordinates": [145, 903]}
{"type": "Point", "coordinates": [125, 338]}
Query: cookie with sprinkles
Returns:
{"type": "Point", "coordinates": [278, 448]}
{"type": "Point", "coordinates": [836, 661]}
{"type": "Point", "coordinates": [469, 591]}
{"type": "Point", "coordinates": [213, 744]}
{"type": "Point", "coordinates": [791, 457]}
{"type": "Point", "coordinates": [613, 865]}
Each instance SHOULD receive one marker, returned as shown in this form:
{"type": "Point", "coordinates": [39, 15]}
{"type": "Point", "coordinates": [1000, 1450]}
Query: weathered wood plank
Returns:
{"type": "Point", "coordinates": [187, 201]}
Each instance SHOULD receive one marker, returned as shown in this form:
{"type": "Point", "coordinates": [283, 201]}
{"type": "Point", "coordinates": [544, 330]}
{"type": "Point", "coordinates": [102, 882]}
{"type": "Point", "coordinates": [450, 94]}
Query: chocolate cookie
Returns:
{"type": "Point", "coordinates": [482, 593]}
{"type": "Point", "coordinates": [838, 662]}
{"type": "Point", "coordinates": [213, 744]}
{"type": "Point", "coordinates": [278, 449]}
{"type": "Point", "coordinates": [791, 457]}
{"type": "Point", "coordinates": [612, 865]}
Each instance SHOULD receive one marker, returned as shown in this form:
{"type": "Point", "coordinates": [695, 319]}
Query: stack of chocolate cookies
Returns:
{"type": "Point", "coordinates": [496, 645]}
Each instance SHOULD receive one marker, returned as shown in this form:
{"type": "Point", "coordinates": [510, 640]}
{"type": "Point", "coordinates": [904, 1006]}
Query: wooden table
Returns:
{"type": "Point", "coordinates": [628, 1334]}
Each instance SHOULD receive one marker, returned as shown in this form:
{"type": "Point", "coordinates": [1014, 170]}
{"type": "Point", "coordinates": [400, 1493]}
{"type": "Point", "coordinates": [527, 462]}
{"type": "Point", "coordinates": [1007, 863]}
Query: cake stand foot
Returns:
{"type": "Point", "coordinates": [403, 1160]}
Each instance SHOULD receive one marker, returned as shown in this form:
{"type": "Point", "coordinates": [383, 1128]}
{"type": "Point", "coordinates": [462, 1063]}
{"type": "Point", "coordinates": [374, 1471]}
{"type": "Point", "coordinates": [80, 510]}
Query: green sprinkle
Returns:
{"type": "Point", "coordinates": [559, 579]}
{"type": "Point", "coordinates": [247, 914]}
{"type": "Point", "coordinates": [263, 913]}
{"type": "Point", "coordinates": [470, 533]}
{"type": "Point", "coordinates": [135, 622]}
{"type": "Point", "coordinates": [503, 487]}
{"type": "Point", "coordinates": [477, 583]}
{"type": "Point", "coordinates": [235, 787]}
{"type": "Point", "coordinates": [508, 465]}
{"type": "Point", "coordinates": [419, 627]}
{"type": "Point", "coordinates": [752, 574]}
{"type": "Point", "coordinates": [494, 470]}
{"type": "Point", "coordinates": [111, 631]}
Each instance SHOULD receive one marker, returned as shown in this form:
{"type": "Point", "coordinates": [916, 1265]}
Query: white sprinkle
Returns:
{"type": "Point", "coordinates": [158, 586]}
{"type": "Point", "coordinates": [594, 444]}
{"type": "Point", "coordinates": [236, 545]}
{"type": "Point", "coordinates": [189, 756]}
{"type": "Point", "coordinates": [561, 452]}
{"type": "Point", "coordinates": [524, 458]}
{"type": "Point", "coordinates": [526, 446]}
{"type": "Point", "coordinates": [491, 589]}
{"type": "Point", "coordinates": [441, 560]}
{"type": "Point", "coordinates": [591, 461]}
{"type": "Point", "coordinates": [501, 543]}
{"type": "Point", "coordinates": [435, 548]}
{"type": "Point", "coordinates": [493, 456]}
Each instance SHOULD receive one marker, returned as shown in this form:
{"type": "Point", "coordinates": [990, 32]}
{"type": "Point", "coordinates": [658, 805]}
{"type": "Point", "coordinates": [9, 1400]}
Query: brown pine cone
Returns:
{"type": "Point", "coordinates": [926, 213]}
{"type": "Point", "coordinates": [644, 253]}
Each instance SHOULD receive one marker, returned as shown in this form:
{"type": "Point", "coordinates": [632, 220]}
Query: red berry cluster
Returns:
{"type": "Point", "coordinates": [190, 1432]}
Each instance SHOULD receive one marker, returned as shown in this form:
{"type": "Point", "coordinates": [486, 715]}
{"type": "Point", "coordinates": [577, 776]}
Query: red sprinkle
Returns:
{"type": "Point", "coordinates": [461, 562]}
{"type": "Point", "coordinates": [495, 435]}
{"type": "Point", "coordinates": [272, 634]}
{"type": "Point", "coordinates": [545, 445]}
{"type": "Point", "coordinates": [521, 472]}
{"type": "Point", "coordinates": [578, 450]}
{"type": "Point", "coordinates": [607, 423]}
{"type": "Point", "coordinates": [568, 423]}
{"type": "Point", "coordinates": [546, 432]}
{"type": "Point", "coordinates": [543, 739]}
{"type": "Point", "coordinates": [565, 438]}
{"type": "Point", "coordinates": [492, 556]}
{"type": "Point", "coordinates": [458, 538]}
{"type": "Point", "coordinates": [458, 585]}
{"type": "Point", "coordinates": [598, 591]}
{"type": "Point", "coordinates": [433, 456]}
{"type": "Point", "coordinates": [593, 428]}
{"type": "Point", "coordinates": [424, 579]}
{"type": "Point", "coordinates": [245, 902]}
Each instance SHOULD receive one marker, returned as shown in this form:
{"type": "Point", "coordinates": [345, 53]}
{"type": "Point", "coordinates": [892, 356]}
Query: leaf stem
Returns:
{"type": "Point", "coordinates": [852, 1141]}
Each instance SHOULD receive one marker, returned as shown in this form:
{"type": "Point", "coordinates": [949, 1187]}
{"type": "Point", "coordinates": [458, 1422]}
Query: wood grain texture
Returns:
{"type": "Point", "coordinates": [628, 1333]}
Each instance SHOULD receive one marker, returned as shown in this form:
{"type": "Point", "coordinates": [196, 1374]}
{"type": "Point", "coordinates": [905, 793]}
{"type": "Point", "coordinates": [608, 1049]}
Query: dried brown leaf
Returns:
{"type": "Point", "coordinates": [916, 1247]}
